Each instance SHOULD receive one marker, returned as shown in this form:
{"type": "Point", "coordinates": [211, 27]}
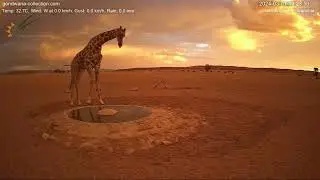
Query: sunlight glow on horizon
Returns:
{"type": "Point", "coordinates": [56, 53]}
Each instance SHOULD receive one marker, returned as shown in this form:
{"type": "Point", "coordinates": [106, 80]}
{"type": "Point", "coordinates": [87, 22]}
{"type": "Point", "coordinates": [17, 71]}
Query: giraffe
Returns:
{"type": "Point", "coordinates": [89, 59]}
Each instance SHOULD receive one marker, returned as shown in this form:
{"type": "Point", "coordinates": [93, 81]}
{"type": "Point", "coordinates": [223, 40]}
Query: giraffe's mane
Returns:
{"type": "Point", "coordinates": [103, 34]}
{"type": "Point", "coordinates": [112, 30]}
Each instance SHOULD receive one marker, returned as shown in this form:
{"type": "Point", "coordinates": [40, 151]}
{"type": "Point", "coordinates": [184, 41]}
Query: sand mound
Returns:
{"type": "Point", "coordinates": [163, 126]}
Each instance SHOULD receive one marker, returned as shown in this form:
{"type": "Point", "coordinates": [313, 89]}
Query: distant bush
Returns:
{"type": "Point", "coordinates": [59, 71]}
{"type": "Point", "coordinates": [207, 67]}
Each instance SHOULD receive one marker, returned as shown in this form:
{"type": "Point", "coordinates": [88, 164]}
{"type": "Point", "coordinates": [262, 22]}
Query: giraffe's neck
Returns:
{"type": "Point", "coordinates": [102, 38]}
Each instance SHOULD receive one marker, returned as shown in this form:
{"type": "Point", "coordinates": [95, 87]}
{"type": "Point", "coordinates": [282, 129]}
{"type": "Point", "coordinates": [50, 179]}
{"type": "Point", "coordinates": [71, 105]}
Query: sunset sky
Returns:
{"type": "Point", "coordinates": [170, 33]}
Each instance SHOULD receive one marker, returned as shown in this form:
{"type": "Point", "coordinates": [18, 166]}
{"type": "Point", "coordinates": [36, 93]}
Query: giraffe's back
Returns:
{"type": "Point", "coordinates": [89, 57]}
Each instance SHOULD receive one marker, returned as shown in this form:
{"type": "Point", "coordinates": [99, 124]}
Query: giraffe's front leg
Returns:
{"type": "Point", "coordinates": [98, 88]}
{"type": "Point", "coordinates": [78, 77]}
{"type": "Point", "coordinates": [71, 98]}
{"type": "Point", "coordinates": [92, 82]}
{"type": "Point", "coordinates": [71, 93]}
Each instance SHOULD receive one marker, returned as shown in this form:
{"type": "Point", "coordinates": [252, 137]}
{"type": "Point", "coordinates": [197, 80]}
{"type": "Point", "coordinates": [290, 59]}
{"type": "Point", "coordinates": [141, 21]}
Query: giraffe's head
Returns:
{"type": "Point", "coordinates": [121, 34]}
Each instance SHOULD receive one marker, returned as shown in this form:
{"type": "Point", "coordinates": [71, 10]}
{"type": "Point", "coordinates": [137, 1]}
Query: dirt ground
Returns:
{"type": "Point", "coordinates": [259, 124]}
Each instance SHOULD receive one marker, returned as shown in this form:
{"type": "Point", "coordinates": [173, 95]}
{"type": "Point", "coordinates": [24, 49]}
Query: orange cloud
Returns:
{"type": "Point", "coordinates": [56, 52]}
{"type": "Point", "coordinates": [317, 19]}
{"type": "Point", "coordinates": [166, 56]}
{"type": "Point", "coordinates": [170, 56]}
{"type": "Point", "coordinates": [275, 19]}
{"type": "Point", "coordinates": [242, 40]}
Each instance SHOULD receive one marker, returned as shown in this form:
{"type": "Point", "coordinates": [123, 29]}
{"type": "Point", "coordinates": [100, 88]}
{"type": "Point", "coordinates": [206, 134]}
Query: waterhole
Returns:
{"type": "Point", "coordinates": [109, 113]}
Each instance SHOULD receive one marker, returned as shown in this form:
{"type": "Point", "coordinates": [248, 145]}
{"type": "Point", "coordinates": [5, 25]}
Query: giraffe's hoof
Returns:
{"type": "Point", "coordinates": [101, 101]}
{"type": "Point", "coordinates": [89, 101]}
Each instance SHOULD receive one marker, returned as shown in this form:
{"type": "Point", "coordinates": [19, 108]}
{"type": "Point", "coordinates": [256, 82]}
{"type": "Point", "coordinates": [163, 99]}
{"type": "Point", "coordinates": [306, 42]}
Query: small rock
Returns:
{"type": "Point", "coordinates": [87, 146]}
{"type": "Point", "coordinates": [166, 142]}
{"type": "Point", "coordinates": [129, 151]}
{"type": "Point", "coordinates": [134, 89]}
{"type": "Point", "coordinates": [45, 136]}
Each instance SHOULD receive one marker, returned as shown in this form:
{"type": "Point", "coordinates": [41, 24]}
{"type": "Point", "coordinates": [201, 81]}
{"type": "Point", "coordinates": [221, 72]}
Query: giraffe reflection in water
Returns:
{"type": "Point", "coordinates": [87, 114]}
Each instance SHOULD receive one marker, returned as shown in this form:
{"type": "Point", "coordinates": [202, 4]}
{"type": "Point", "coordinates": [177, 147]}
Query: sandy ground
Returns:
{"type": "Point", "coordinates": [259, 124]}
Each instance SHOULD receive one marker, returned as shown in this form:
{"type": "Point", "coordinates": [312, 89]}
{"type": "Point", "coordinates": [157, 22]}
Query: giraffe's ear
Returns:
{"type": "Point", "coordinates": [120, 27]}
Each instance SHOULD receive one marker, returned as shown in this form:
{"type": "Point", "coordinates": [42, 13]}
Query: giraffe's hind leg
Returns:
{"type": "Point", "coordinates": [98, 88]}
{"type": "Point", "coordinates": [74, 69]}
{"type": "Point", "coordinates": [71, 92]}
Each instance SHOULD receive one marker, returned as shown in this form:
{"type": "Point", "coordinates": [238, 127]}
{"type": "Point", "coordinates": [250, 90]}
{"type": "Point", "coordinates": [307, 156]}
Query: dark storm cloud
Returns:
{"type": "Point", "coordinates": [27, 56]}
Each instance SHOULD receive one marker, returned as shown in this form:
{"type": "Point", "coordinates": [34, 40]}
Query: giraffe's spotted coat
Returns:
{"type": "Point", "coordinates": [89, 58]}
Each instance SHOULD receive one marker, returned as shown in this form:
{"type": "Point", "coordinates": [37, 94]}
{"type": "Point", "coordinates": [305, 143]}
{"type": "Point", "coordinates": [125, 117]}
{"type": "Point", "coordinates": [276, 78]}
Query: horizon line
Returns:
{"type": "Point", "coordinates": [163, 67]}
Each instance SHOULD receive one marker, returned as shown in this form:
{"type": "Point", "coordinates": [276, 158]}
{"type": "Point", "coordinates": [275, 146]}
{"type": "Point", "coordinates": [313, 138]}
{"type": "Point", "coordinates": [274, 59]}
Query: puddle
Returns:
{"type": "Point", "coordinates": [124, 113]}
